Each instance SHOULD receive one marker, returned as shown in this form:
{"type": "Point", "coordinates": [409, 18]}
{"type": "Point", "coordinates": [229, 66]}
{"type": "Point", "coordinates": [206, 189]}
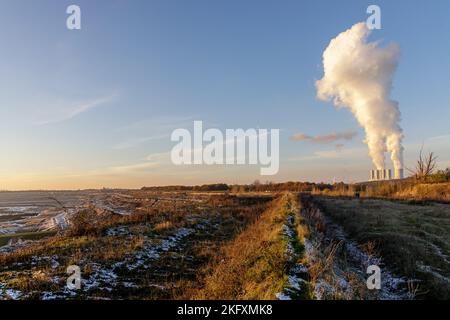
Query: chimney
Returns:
{"type": "Point", "coordinates": [399, 174]}
{"type": "Point", "coordinates": [389, 174]}
{"type": "Point", "coordinates": [379, 174]}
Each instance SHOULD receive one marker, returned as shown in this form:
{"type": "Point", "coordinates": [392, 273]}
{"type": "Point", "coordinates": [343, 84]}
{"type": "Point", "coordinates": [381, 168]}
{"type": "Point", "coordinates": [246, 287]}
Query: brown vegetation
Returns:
{"type": "Point", "coordinates": [255, 264]}
{"type": "Point", "coordinates": [91, 242]}
{"type": "Point", "coordinates": [412, 238]}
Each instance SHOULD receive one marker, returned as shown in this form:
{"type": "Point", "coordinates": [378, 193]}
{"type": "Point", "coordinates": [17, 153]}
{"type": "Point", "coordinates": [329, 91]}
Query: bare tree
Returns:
{"type": "Point", "coordinates": [256, 182]}
{"type": "Point", "coordinates": [425, 165]}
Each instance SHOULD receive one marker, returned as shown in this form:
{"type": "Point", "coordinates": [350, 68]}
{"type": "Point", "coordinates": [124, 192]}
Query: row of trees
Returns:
{"type": "Point", "coordinates": [201, 188]}
{"type": "Point", "coordinates": [257, 186]}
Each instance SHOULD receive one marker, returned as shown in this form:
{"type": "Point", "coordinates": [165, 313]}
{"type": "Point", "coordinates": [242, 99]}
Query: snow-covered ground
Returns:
{"type": "Point", "coordinates": [10, 294]}
{"type": "Point", "coordinates": [297, 271]}
{"type": "Point", "coordinates": [14, 244]}
{"type": "Point", "coordinates": [105, 277]}
{"type": "Point", "coordinates": [58, 222]}
{"type": "Point", "coordinates": [17, 210]}
{"type": "Point", "coordinates": [110, 277]}
{"type": "Point", "coordinates": [349, 259]}
{"type": "Point", "coordinates": [27, 212]}
{"type": "Point", "coordinates": [107, 206]}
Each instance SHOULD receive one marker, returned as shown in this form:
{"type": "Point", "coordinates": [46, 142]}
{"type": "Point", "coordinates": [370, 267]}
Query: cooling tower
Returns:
{"type": "Point", "coordinates": [388, 174]}
{"type": "Point", "coordinates": [398, 174]}
{"type": "Point", "coordinates": [373, 176]}
{"type": "Point", "coordinates": [384, 174]}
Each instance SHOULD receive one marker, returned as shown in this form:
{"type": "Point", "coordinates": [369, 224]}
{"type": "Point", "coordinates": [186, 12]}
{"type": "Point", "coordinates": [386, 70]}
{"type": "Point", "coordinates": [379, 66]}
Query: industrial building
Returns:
{"type": "Point", "coordinates": [385, 174]}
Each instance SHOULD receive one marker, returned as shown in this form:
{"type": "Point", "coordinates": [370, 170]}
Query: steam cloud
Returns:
{"type": "Point", "coordinates": [327, 138]}
{"type": "Point", "coordinates": [358, 75]}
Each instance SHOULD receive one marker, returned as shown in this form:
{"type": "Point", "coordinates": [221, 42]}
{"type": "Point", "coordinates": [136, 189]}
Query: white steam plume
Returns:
{"type": "Point", "coordinates": [358, 75]}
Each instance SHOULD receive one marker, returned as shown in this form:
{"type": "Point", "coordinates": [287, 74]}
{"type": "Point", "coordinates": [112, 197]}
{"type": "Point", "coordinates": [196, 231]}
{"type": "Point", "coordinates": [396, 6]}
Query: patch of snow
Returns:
{"type": "Point", "coordinates": [105, 278]}
{"type": "Point", "coordinates": [18, 209]}
{"type": "Point", "coordinates": [53, 260]}
{"type": "Point", "coordinates": [14, 244]}
{"type": "Point", "coordinates": [9, 294]}
{"type": "Point", "coordinates": [434, 272]}
{"type": "Point", "coordinates": [118, 231]}
{"type": "Point", "coordinates": [439, 252]}
{"type": "Point", "coordinates": [282, 296]}
{"type": "Point", "coordinates": [100, 276]}
{"type": "Point", "coordinates": [152, 252]}
{"type": "Point", "coordinates": [127, 284]}
{"type": "Point", "coordinates": [108, 207]}
{"type": "Point", "coordinates": [296, 270]}
{"type": "Point", "coordinates": [10, 228]}
{"type": "Point", "coordinates": [357, 262]}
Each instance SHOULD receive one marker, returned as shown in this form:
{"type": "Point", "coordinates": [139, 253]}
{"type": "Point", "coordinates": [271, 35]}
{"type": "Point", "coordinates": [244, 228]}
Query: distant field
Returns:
{"type": "Point", "coordinates": [32, 211]}
{"type": "Point", "coordinates": [406, 189]}
{"type": "Point", "coordinates": [4, 239]}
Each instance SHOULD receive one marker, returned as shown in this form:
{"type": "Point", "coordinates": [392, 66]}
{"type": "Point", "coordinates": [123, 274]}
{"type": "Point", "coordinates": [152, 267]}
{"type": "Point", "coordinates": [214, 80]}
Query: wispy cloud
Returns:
{"type": "Point", "coordinates": [134, 167]}
{"type": "Point", "coordinates": [337, 153]}
{"type": "Point", "coordinates": [151, 129]}
{"type": "Point", "coordinates": [326, 138]}
{"type": "Point", "coordinates": [339, 146]}
{"type": "Point", "coordinates": [152, 161]}
{"type": "Point", "coordinates": [134, 142]}
{"type": "Point", "coordinates": [157, 123]}
{"type": "Point", "coordinates": [64, 113]}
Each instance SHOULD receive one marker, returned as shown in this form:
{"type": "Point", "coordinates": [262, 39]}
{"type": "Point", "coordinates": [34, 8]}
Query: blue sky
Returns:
{"type": "Point", "coordinates": [95, 107]}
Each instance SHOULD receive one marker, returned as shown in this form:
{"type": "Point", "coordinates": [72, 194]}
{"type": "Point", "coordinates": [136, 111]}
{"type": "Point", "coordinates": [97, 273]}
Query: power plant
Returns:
{"type": "Point", "coordinates": [369, 100]}
{"type": "Point", "coordinates": [385, 174]}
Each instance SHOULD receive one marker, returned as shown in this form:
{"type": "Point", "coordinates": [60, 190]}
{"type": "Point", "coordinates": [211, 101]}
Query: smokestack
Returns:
{"type": "Point", "coordinates": [389, 174]}
{"type": "Point", "coordinates": [358, 75]}
{"type": "Point", "coordinates": [379, 175]}
{"type": "Point", "coordinates": [385, 174]}
{"type": "Point", "coordinates": [398, 173]}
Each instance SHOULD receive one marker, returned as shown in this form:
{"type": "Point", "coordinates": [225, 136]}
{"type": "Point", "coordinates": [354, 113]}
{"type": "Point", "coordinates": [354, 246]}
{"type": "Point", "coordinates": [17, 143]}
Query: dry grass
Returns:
{"type": "Point", "coordinates": [161, 226]}
{"type": "Point", "coordinates": [408, 189]}
{"type": "Point", "coordinates": [426, 191]}
{"type": "Point", "coordinates": [254, 265]}
{"type": "Point", "coordinates": [176, 271]}
{"type": "Point", "coordinates": [413, 239]}
{"type": "Point", "coordinates": [327, 259]}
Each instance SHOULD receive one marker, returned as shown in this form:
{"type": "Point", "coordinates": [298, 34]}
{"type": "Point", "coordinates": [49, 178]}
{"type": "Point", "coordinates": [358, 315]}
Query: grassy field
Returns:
{"type": "Point", "coordinates": [260, 263]}
{"type": "Point", "coordinates": [4, 239]}
{"type": "Point", "coordinates": [406, 189]}
{"type": "Point", "coordinates": [414, 239]}
{"type": "Point", "coordinates": [154, 252]}
{"type": "Point", "coordinates": [144, 244]}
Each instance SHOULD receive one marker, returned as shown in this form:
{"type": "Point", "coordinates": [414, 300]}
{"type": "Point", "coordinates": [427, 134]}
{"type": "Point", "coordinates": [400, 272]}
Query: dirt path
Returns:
{"type": "Point", "coordinates": [339, 264]}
